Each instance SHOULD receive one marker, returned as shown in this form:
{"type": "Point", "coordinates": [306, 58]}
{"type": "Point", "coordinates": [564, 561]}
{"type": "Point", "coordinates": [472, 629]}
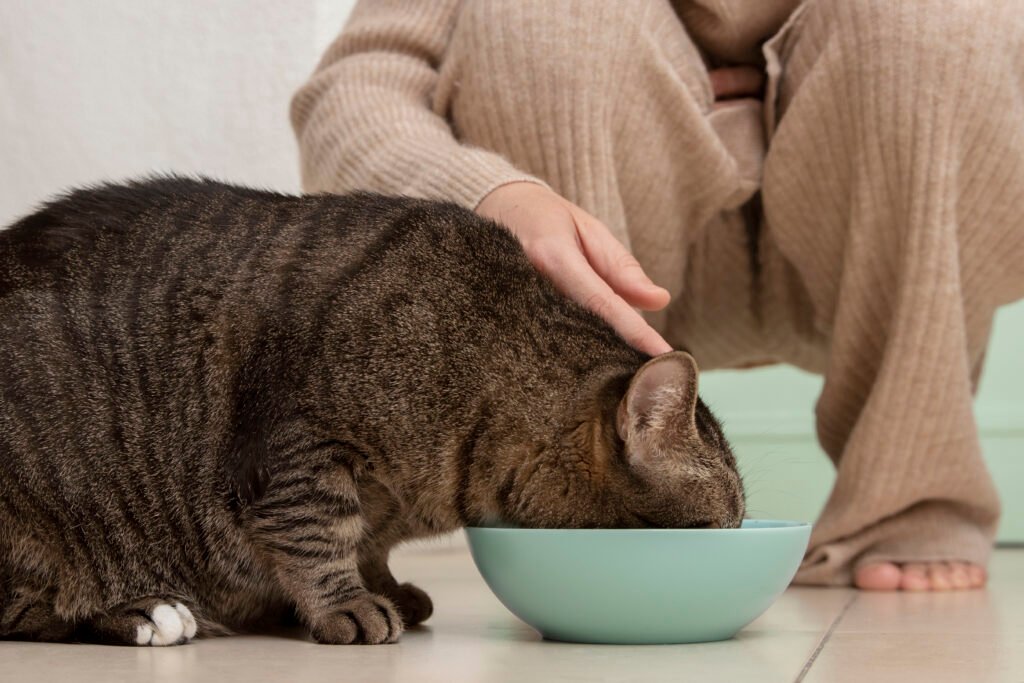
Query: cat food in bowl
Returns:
{"type": "Point", "coordinates": [639, 586]}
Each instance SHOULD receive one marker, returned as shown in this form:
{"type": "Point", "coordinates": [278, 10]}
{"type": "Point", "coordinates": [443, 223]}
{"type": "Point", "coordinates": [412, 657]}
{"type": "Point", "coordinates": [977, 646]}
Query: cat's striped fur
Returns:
{"type": "Point", "coordinates": [230, 404]}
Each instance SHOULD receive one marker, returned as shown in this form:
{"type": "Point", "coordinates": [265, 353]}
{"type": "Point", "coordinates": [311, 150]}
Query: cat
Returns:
{"type": "Point", "coordinates": [223, 406]}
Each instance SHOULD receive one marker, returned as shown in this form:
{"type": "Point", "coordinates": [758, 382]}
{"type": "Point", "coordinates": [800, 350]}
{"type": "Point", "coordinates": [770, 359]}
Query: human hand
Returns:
{"type": "Point", "coordinates": [581, 257]}
{"type": "Point", "coordinates": [735, 82]}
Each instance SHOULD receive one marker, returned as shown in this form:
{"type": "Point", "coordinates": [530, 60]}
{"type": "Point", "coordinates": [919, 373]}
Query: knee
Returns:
{"type": "Point", "coordinates": [925, 44]}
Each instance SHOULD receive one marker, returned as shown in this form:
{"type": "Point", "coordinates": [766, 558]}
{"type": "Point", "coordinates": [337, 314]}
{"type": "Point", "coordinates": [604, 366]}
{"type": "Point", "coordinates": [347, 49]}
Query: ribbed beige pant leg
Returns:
{"type": "Point", "coordinates": [609, 102]}
{"type": "Point", "coordinates": [894, 186]}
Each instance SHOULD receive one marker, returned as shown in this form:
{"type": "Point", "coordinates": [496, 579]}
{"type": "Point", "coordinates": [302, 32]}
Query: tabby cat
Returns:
{"type": "Point", "coordinates": [221, 407]}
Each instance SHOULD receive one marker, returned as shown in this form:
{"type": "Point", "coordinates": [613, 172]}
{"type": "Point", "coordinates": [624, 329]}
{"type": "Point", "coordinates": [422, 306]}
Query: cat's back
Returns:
{"type": "Point", "coordinates": [112, 225]}
{"type": "Point", "coordinates": [128, 307]}
{"type": "Point", "coordinates": [99, 270]}
{"type": "Point", "coordinates": [147, 227]}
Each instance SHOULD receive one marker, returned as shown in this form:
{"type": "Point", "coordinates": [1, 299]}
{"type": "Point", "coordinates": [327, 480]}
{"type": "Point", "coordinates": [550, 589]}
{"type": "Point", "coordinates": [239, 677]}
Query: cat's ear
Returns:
{"type": "Point", "coordinates": [660, 403]}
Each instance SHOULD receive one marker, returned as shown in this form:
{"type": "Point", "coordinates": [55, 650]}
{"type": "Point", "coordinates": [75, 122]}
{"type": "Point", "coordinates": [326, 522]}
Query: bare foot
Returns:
{"type": "Point", "coordinates": [920, 576]}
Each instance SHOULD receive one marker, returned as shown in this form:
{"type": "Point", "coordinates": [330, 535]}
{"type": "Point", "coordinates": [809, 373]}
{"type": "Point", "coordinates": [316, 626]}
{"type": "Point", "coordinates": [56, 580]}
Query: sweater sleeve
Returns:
{"type": "Point", "coordinates": [365, 120]}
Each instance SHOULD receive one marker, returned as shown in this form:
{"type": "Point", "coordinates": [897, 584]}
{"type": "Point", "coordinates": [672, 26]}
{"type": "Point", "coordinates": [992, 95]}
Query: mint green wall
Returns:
{"type": "Point", "coordinates": [768, 415]}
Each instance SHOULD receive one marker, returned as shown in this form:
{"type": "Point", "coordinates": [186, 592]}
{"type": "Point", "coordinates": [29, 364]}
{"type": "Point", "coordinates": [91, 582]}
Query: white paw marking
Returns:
{"type": "Point", "coordinates": [170, 626]}
{"type": "Point", "coordinates": [143, 634]}
{"type": "Point", "coordinates": [187, 620]}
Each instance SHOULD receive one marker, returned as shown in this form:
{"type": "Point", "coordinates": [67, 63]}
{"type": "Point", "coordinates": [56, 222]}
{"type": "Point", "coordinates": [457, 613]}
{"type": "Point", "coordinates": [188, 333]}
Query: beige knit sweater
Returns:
{"type": "Point", "coordinates": [368, 118]}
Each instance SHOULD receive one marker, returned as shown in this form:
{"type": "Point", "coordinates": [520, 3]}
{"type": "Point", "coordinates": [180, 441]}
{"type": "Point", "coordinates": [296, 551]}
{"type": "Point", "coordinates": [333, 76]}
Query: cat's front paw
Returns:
{"type": "Point", "coordinates": [367, 619]}
{"type": "Point", "coordinates": [414, 604]}
{"type": "Point", "coordinates": [152, 621]}
{"type": "Point", "coordinates": [166, 625]}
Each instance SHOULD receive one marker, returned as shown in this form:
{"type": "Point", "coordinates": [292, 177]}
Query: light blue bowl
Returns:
{"type": "Point", "coordinates": [639, 586]}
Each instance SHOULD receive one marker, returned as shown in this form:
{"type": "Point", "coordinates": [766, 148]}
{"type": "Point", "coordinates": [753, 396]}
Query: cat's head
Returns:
{"type": "Point", "coordinates": [639, 452]}
{"type": "Point", "coordinates": [676, 467]}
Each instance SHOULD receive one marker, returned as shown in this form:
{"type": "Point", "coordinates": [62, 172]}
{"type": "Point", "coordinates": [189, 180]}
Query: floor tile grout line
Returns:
{"type": "Point", "coordinates": [825, 638]}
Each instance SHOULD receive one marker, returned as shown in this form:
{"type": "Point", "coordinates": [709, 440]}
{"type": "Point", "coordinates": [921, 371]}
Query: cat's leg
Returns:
{"type": "Point", "coordinates": [29, 614]}
{"type": "Point", "coordinates": [412, 602]}
{"type": "Point", "coordinates": [310, 523]}
{"type": "Point", "coordinates": [152, 621]}
{"type": "Point", "coordinates": [387, 526]}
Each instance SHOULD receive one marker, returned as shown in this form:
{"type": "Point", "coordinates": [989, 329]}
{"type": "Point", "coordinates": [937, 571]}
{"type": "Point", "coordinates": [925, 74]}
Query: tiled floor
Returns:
{"type": "Point", "coordinates": [814, 635]}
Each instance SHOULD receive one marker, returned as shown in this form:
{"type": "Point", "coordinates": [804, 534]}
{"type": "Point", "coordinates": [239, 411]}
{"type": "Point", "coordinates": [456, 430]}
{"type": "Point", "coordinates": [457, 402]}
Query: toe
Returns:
{"type": "Point", "coordinates": [168, 628]}
{"type": "Point", "coordinates": [915, 577]}
{"type": "Point", "coordinates": [414, 605]}
{"type": "Point", "coordinates": [187, 620]}
{"type": "Point", "coordinates": [958, 576]}
{"type": "Point", "coordinates": [939, 576]}
{"type": "Point", "coordinates": [143, 634]}
{"type": "Point", "coordinates": [878, 576]}
{"type": "Point", "coordinates": [977, 576]}
{"type": "Point", "coordinates": [367, 618]}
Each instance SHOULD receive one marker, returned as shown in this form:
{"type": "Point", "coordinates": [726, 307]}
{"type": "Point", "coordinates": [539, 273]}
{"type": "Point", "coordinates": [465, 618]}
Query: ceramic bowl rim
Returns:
{"type": "Point", "coordinates": [771, 526]}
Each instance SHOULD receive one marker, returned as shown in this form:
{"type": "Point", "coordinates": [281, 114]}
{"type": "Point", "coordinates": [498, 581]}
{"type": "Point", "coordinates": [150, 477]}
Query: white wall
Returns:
{"type": "Point", "coordinates": [113, 88]}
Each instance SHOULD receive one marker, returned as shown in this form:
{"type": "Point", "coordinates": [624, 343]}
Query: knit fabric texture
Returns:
{"type": "Point", "coordinates": [862, 221]}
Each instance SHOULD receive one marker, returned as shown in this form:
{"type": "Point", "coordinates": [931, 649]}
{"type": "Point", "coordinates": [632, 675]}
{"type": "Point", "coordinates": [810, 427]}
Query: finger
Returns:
{"type": "Point", "coordinates": [736, 81]}
{"type": "Point", "coordinates": [576, 279]}
{"type": "Point", "coordinates": [613, 262]}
